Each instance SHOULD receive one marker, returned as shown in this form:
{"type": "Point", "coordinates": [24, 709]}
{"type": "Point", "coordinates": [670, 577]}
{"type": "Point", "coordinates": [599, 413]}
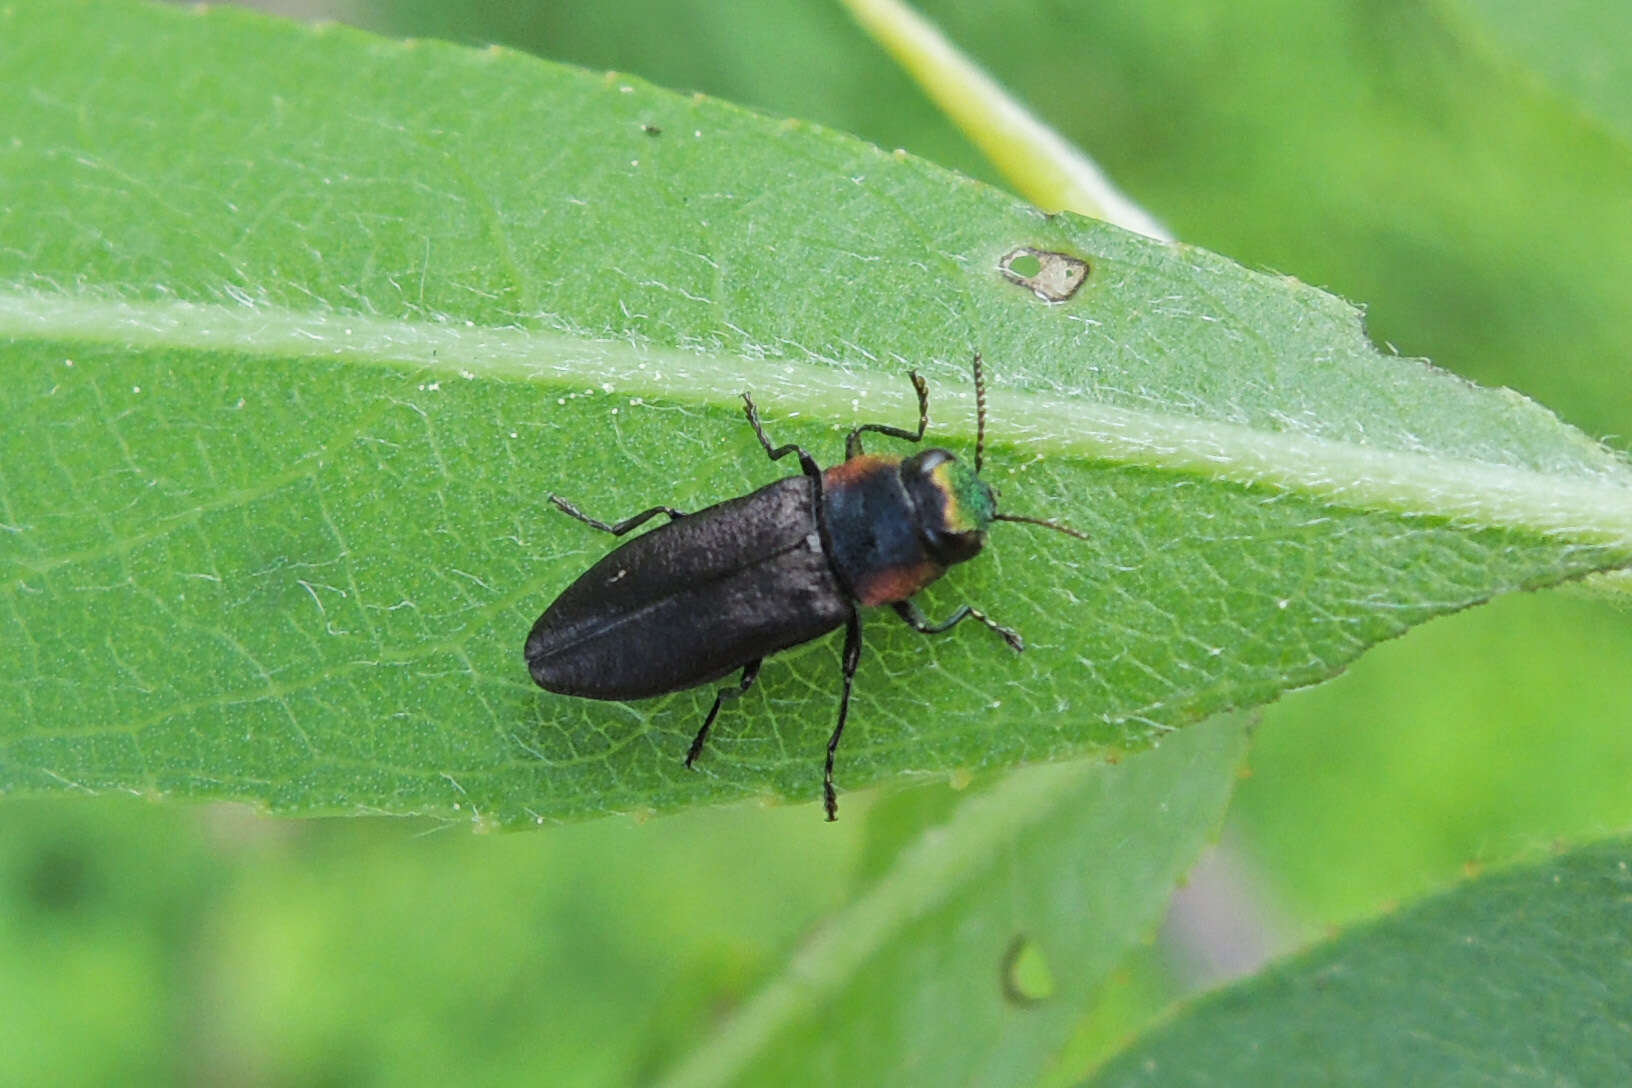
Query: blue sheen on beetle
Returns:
{"type": "Point", "coordinates": [723, 588]}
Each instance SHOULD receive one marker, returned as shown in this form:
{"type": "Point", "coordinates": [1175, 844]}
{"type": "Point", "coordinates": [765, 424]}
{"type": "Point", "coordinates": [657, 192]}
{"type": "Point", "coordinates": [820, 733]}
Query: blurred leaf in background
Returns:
{"type": "Point", "coordinates": [1519, 976]}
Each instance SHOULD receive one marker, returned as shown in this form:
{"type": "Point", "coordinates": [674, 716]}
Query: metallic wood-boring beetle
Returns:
{"type": "Point", "coordinates": [723, 588]}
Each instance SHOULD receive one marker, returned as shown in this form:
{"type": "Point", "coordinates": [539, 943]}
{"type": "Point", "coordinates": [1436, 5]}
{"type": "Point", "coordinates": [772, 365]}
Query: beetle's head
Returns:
{"type": "Point", "coordinates": [954, 505]}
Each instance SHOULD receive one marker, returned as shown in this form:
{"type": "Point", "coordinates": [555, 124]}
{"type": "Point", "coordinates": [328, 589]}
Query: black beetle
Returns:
{"type": "Point", "coordinates": [724, 588]}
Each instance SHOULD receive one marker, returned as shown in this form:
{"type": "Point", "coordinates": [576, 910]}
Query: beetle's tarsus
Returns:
{"type": "Point", "coordinates": [852, 443]}
{"type": "Point", "coordinates": [852, 658]}
{"type": "Point", "coordinates": [1010, 635]}
{"type": "Point", "coordinates": [916, 619]}
{"type": "Point", "coordinates": [750, 673]}
{"type": "Point", "coordinates": [807, 463]}
{"type": "Point", "coordinates": [619, 528]}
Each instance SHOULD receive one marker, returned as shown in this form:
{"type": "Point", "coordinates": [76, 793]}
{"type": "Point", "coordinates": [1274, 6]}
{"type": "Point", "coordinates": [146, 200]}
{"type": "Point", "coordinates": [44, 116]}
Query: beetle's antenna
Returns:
{"type": "Point", "coordinates": [1045, 523]}
{"type": "Point", "coordinates": [980, 414]}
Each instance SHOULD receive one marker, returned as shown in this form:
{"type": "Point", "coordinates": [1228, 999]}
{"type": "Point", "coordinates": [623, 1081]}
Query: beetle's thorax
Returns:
{"type": "Point", "coordinates": [896, 525]}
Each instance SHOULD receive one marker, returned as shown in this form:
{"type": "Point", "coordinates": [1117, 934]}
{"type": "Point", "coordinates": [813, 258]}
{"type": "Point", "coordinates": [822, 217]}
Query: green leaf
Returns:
{"type": "Point", "coordinates": [1582, 51]}
{"type": "Point", "coordinates": [302, 326]}
{"type": "Point", "coordinates": [969, 960]}
{"type": "Point", "coordinates": [1522, 976]}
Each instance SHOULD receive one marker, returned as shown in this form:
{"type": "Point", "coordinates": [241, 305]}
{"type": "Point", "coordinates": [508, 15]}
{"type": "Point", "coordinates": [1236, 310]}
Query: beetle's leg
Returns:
{"type": "Point", "coordinates": [750, 672]}
{"type": "Point", "coordinates": [852, 657]}
{"type": "Point", "coordinates": [917, 621]}
{"type": "Point", "coordinates": [852, 444]}
{"type": "Point", "coordinates": [807, 463]}
{"type": "Point", "coordinates": [621, 527]}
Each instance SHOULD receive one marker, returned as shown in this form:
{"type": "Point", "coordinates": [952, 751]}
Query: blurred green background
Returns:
{"type": "Point", "coordinates": [1432, 162]}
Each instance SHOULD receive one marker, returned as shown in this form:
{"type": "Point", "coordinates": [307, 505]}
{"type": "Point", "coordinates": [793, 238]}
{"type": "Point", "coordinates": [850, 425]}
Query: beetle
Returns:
{"type": "Point", "coordinates": [721, 589]}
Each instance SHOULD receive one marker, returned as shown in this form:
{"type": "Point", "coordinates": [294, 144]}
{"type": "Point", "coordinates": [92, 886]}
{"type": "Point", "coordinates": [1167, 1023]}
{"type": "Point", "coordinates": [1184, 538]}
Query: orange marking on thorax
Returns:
{"type": "Point", "coordinates": [897, 583]}
{"type": "Point", "coordinates": [846, 472]}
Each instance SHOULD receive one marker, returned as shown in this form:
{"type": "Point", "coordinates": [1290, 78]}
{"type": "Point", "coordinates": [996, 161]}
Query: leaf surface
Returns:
{"type": "Point", "coordinates": [301, 327]}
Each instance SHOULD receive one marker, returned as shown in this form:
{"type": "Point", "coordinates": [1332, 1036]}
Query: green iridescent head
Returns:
{"type": "Point", "coordinates": [954, 505]}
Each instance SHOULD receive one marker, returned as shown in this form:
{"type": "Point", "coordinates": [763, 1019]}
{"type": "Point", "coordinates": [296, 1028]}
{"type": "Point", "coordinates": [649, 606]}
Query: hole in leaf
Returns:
{"type": "Point", "coordinates": [1026, 265]}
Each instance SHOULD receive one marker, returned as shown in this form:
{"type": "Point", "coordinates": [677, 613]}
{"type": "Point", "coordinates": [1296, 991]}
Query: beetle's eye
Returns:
{"type": "Point", "coordinates": [923, 465]}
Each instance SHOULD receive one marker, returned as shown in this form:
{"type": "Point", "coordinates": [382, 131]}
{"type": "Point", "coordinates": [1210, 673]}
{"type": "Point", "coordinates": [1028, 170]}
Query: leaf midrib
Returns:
{"type": "Point", "coordinates": [1592, 508]}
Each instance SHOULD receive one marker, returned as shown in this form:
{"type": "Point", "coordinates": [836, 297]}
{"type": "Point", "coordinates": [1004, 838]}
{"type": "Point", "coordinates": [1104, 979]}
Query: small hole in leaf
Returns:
{"type": "Point", "coordinates": [1051, 276]}
{"type": "Point", "coordinates": [1026, 265]}
{"type": "Point", "coordinates": [1025, 975]}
